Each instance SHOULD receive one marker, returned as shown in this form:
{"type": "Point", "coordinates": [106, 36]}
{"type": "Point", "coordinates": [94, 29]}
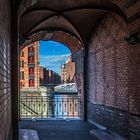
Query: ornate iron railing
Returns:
{"type": "Point", "coordinates": [57, 106]}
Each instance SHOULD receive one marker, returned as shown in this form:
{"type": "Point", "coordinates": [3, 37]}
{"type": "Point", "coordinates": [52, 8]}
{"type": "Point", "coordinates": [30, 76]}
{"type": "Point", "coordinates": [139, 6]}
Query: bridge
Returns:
{"type": "Point", "coordinates": [66, 88]}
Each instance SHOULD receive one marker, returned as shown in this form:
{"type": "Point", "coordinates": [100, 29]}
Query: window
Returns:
{"type": "Point", "coordinates": [22, 75]}
{"type": "Point", "coordinates": [31, 49]}
{"type": "Point", "coordinates": [31, 59]}
{"type": "Point", "coordinates": [31, 71]}
{"type": "Point", "coordinates": [22, 53]}
{"type": "Point", "coordinates": [22, 64]}
{"type": "Point", "coordinates": [31, 83]}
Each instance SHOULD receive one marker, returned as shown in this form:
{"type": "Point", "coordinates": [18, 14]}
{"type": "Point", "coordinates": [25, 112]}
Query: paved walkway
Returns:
{"type": "Point", "coordinates": [60, 130]}
{"type": "Point", "coordinates": [28, 134]}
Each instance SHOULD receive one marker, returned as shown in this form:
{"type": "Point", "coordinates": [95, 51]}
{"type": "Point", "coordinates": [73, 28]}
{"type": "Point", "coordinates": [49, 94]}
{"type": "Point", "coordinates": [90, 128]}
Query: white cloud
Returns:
{"type": "Point", "coordinates": [53, 62]}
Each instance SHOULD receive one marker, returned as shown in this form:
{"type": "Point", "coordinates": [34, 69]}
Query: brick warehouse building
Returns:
{"type": "Point", "coordinates": [32, 75]}
{"type": "Point", "coordinates": [42, 76]}
{"type": "Point", "coordinates": [109, 35]}
{"type": "Point", "coordinates": [68, 71]}
{"type": "Point", "coordinates": [49, 77]}
{"type": "Point", "coordinates": [29, 66]}
{"type": "Point", "coordinates": [52, 77]}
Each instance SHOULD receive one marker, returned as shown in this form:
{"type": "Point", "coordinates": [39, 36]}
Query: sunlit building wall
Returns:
{"type": "Point", "coordinates": [68, 71]}
{"type": "Point", "coordinates": [29, 66]}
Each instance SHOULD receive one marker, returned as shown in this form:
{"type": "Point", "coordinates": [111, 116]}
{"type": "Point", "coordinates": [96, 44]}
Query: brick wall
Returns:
{"type": "Point", "coordinates": [113, 78]}
{"type": "Point", "coordinates": [5, 90]}
{"type": "Point", "coordinates": [134, 91]}
{"type": "Point", "coordinates": [79, 77]}
{"type": "Point", "coordinates": [67, 39]}
{"type": "Point", "coordinates": [109, 53]}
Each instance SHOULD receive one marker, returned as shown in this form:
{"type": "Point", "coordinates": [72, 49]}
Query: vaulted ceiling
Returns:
{"type": "Point", "coordinates": [76, 17]}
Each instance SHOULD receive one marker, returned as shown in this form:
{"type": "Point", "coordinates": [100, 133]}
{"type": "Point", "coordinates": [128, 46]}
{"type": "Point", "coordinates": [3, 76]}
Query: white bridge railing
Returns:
{"type": "Point", "coordinates": [49, 106]}
{"type": "Point", "coordinates": [66, 88]}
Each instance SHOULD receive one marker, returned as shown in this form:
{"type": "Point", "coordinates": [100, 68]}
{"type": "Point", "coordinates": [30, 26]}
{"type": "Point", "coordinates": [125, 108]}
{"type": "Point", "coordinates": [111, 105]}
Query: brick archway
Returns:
{"type": "Point", "coordinates": [132, 15]}
{"type": "Point", "coordinates": [78, 19]}
{"type": "Point", "coordinates": [77, 51]}
{"type": "Point", "coordinates": [67, 39]}
{"type": "Point", "coordinates": [64, 17]}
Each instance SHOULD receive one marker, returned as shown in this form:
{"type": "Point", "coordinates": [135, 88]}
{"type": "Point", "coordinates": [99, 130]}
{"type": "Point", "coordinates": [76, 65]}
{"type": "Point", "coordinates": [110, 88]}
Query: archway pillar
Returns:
{"type": "Point", "coordinates": [79, 59]}
{"type": "Point", "coordinates": [14, 73]}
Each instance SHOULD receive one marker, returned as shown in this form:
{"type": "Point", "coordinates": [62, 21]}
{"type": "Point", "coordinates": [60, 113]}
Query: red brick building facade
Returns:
{"type": "Point", "coordinates": [29, 66]}
{"type": "Point", "coordinates": [68, 71]}
{"type": "Point", "coordinates": [52, 77]}
{"type": "Point", "coordinates": [49, 77]}
{"type": "Point", "coordinates": [42, 76]}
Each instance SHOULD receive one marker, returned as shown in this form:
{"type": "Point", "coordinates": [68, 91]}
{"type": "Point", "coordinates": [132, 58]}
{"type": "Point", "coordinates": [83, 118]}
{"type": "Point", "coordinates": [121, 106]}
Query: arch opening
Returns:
{"type": "Point", "coordinates": [75, 28]}
{"type": "Point", "coordinates": [53, 22]}
{"type": "Point", "coordinates": [32, 87]}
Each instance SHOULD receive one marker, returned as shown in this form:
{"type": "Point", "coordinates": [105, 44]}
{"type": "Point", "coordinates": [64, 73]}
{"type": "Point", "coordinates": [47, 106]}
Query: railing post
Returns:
{"type": "Point", "coordinates": [41, 107]}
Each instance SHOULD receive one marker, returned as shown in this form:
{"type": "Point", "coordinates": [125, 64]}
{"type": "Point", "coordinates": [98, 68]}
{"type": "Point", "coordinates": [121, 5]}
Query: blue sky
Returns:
{"type": "Point", "coordinates": [53, 54]}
